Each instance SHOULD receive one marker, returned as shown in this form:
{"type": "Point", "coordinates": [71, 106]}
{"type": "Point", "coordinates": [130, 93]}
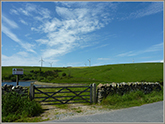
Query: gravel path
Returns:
{"type": "Point", "coordinates": [72, 110]}
{"type": "Point", "coordinates": [145, 113]}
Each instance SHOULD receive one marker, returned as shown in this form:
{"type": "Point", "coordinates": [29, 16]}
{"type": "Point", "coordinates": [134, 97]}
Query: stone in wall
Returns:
{"type": "Point", "coordinates": [103, 90]}
{"type": "Point", "coordinates": [10, 88]}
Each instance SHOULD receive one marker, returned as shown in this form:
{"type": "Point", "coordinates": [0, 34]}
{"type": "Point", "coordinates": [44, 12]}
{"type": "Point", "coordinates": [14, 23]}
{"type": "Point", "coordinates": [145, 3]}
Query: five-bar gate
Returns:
{"type": "Point", "coordinates": [63, 94]}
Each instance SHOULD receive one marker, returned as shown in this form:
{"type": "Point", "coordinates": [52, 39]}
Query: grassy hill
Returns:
{"type": "Point", "coordinates": [108, 73]}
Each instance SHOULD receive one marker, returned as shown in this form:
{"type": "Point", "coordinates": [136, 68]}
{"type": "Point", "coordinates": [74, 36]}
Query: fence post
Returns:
{"type": "Point", "coordinates": [17, 79]}
{"type": "Point", "coordinates": [94, 92]}
{"type": "Point", "coordinates": [31, 91]}
{"type": "Point", "coordinates": [91, 93]}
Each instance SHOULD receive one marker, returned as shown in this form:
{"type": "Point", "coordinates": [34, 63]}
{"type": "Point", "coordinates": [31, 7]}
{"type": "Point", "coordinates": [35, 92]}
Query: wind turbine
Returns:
{"type": "Point", "coordinates": [41, 61]}
{"type": "Point", "coordinates": [133, 61]}
{"type": "Point", "coordinates": [89, 61]}
{"type": "Point", "coordinates": [50, 64]}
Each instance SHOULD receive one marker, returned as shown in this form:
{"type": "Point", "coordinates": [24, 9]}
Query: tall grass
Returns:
{"type": "Point", "coordinates": [130, 99]}
{"type": "Point", "coordinates": [16, 107]}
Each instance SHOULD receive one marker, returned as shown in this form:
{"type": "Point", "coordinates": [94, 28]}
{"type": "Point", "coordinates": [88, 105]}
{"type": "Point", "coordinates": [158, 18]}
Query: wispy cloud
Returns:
{"type": "Point", "coordinates": [23, 22]}
{"type": "Point", "coordinates": [27, 46]}
{"type": "Point", "coordinates": [65, 34]}
{"type": "Point", "coordinates": [154, 48]}
{"type": "Point", "coordinates": [104, 45]}
{"type": "Point", "coordinates": [30, 9]}
{"type": "Point", "coordinates": [13, 11]}
{"type": "Point", "coordinates": [152, 8]}
{"type": "Point", "coordinates": [103, 59]}
{"type": "Point", "coordinates": [19, 59]}
{"type": "Point", "coordinates": [24, 58]}
{"type": "Point", "coordinates": [125, 54]}
{"type": "Point", "coordinates": [9, 22]}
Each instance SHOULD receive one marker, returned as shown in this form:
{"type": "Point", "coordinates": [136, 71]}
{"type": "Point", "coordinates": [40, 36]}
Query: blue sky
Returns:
{"type": "Point", "coordinates": [70, 33]}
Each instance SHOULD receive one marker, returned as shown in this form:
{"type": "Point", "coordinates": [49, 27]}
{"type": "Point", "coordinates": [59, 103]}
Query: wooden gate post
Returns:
{"type": "Point", "coordinates": [91, 87]}
{"type": "Point", "coordinates": [94, 92]}
{"type": "Point", "coordinates": [31, 91]}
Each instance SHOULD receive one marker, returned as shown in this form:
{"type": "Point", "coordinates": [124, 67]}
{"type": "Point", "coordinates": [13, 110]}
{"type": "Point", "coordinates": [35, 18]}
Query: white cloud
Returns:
{"type": "Point", "coordinates": [24, 58]}
{"type": "Point", "coordinates": [23, 11]}
{"type": "Point", "coordinates": [156, 47]}
{"type": "Point", "coordinates": [11, 35]}
{"type": "Point", "coordinates": [24, 54]}
{"type": "Point", "coordinates": [53, 25]}
{"type": "Point", "coordinates": [161, 60]}
{"type": "Point", "coordinates": [42, 41]}
{"type": "Point", "coordinates": [104, 45]}
{"type": "Point", "coordinates": [9, 22]}
{"type": "Point", "coordinates": [44, 12]}
{"type": "Point", "coordinates": [65, 34]}
{"type": "Point", "coordinates": [125, 54]}
{"type": "Point", "coordinates": [103, 59]}
{"type": "Point", "coordinates": [153, 48]}
{"type": "Point", "coordinates": [23, 22]}
{"type": "Point", "coordinates": [153, 8]}
{"type": "Point", "coordinates": [13, 11]}
{"type": "Point", "coordinates": [19, 60]}
{"type": "Point", "coordinates": [29, 9]}
{"type": "Point", "coordinates": [149, 9]}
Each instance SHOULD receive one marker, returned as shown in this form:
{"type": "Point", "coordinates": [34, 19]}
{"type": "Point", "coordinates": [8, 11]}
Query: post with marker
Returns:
{"type": "Point", "coordinates": [17, 72]}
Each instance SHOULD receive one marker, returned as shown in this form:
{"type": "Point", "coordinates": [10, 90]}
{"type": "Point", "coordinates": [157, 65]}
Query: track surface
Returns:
{"type": "Point", "coordinates": [146, 113]}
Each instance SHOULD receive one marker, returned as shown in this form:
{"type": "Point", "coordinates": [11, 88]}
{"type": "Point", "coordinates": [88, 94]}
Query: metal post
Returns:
{"type": "Point", "coordinates": [31, 91]}
{"type": "Point", "coordinates": [17, 79]}
{"type": "Point", "coordinates": [94, 93]}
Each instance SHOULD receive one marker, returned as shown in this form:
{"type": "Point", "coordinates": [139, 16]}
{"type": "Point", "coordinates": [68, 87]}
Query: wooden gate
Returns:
{"type": "Point", "coordinates": [61, 94]}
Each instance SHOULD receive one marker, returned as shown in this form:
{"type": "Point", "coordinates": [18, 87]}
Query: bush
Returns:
{"type": "Point", "coordinates": [160, 81]}
{"type": "Point", "coordinates": [50, 78]}
{"type": "Point", "coordinates": [39, 78]}
{"type": "Point", "coordinates": [13, 79]}
{"type": "Point", "coordinates": [63, 74]}
{"type": "Point", "coordinates": [15, 106]}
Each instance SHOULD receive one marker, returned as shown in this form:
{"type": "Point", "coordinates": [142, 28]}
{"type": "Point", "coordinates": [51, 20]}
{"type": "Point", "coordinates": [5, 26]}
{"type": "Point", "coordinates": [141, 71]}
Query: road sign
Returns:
{"type": "Point", "coordinates": [17, 71]}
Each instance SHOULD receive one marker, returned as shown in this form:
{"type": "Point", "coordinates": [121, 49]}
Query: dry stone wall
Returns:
{"type": "Point", "coordinates": [10, 88]}
{"type": "Point", "coordinates": [103, 90]}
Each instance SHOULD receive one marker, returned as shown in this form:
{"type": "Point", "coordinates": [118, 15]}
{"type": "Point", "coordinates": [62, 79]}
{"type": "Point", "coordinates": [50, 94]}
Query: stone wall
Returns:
{"type": "Point", "coordinates": [10, 88]}
{"type": "Point", "coordinates": [103, 90]}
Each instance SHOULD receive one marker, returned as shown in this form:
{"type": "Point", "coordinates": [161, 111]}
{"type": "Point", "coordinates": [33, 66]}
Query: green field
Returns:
{"type": "Point", "coordinates": [141, 72]}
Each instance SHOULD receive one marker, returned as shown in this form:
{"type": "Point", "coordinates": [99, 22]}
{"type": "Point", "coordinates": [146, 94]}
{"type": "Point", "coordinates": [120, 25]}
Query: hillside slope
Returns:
{"type": "Point", "coordinates": [107, 73]}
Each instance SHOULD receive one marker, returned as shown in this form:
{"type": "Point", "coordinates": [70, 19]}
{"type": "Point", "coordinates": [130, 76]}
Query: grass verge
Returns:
{"type": "Point", "coordinates": [136, 98]}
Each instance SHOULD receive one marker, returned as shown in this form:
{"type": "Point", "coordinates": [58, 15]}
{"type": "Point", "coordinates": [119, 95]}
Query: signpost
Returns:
{"type": "Point", "coordinates": [17, 71]}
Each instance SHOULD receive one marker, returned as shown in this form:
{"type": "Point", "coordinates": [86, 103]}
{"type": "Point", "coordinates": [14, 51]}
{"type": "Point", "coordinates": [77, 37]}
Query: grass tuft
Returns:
{"type": "Point", "coordinates": [131, 99]}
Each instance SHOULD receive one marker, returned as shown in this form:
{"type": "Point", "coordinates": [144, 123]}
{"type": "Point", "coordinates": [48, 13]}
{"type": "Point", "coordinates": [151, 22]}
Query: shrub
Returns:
{"type": "Point", "coordinates": [39, 78]}
{"type": "Point", "coordinates": [15, 106]}
{"type": "Point", "coordinates": [63, 74]}
{"type": "Point", "coordinates": [13, 79]}
{"type": "Point", "coordinates": [50, 78]}
{"type": "Point", "coordinates": [160, 81]}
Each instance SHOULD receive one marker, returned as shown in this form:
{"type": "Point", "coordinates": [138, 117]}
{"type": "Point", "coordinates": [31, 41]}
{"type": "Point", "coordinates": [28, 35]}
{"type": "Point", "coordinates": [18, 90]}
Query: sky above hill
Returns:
{"type": "Point", "coordinates": [72, 33]}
